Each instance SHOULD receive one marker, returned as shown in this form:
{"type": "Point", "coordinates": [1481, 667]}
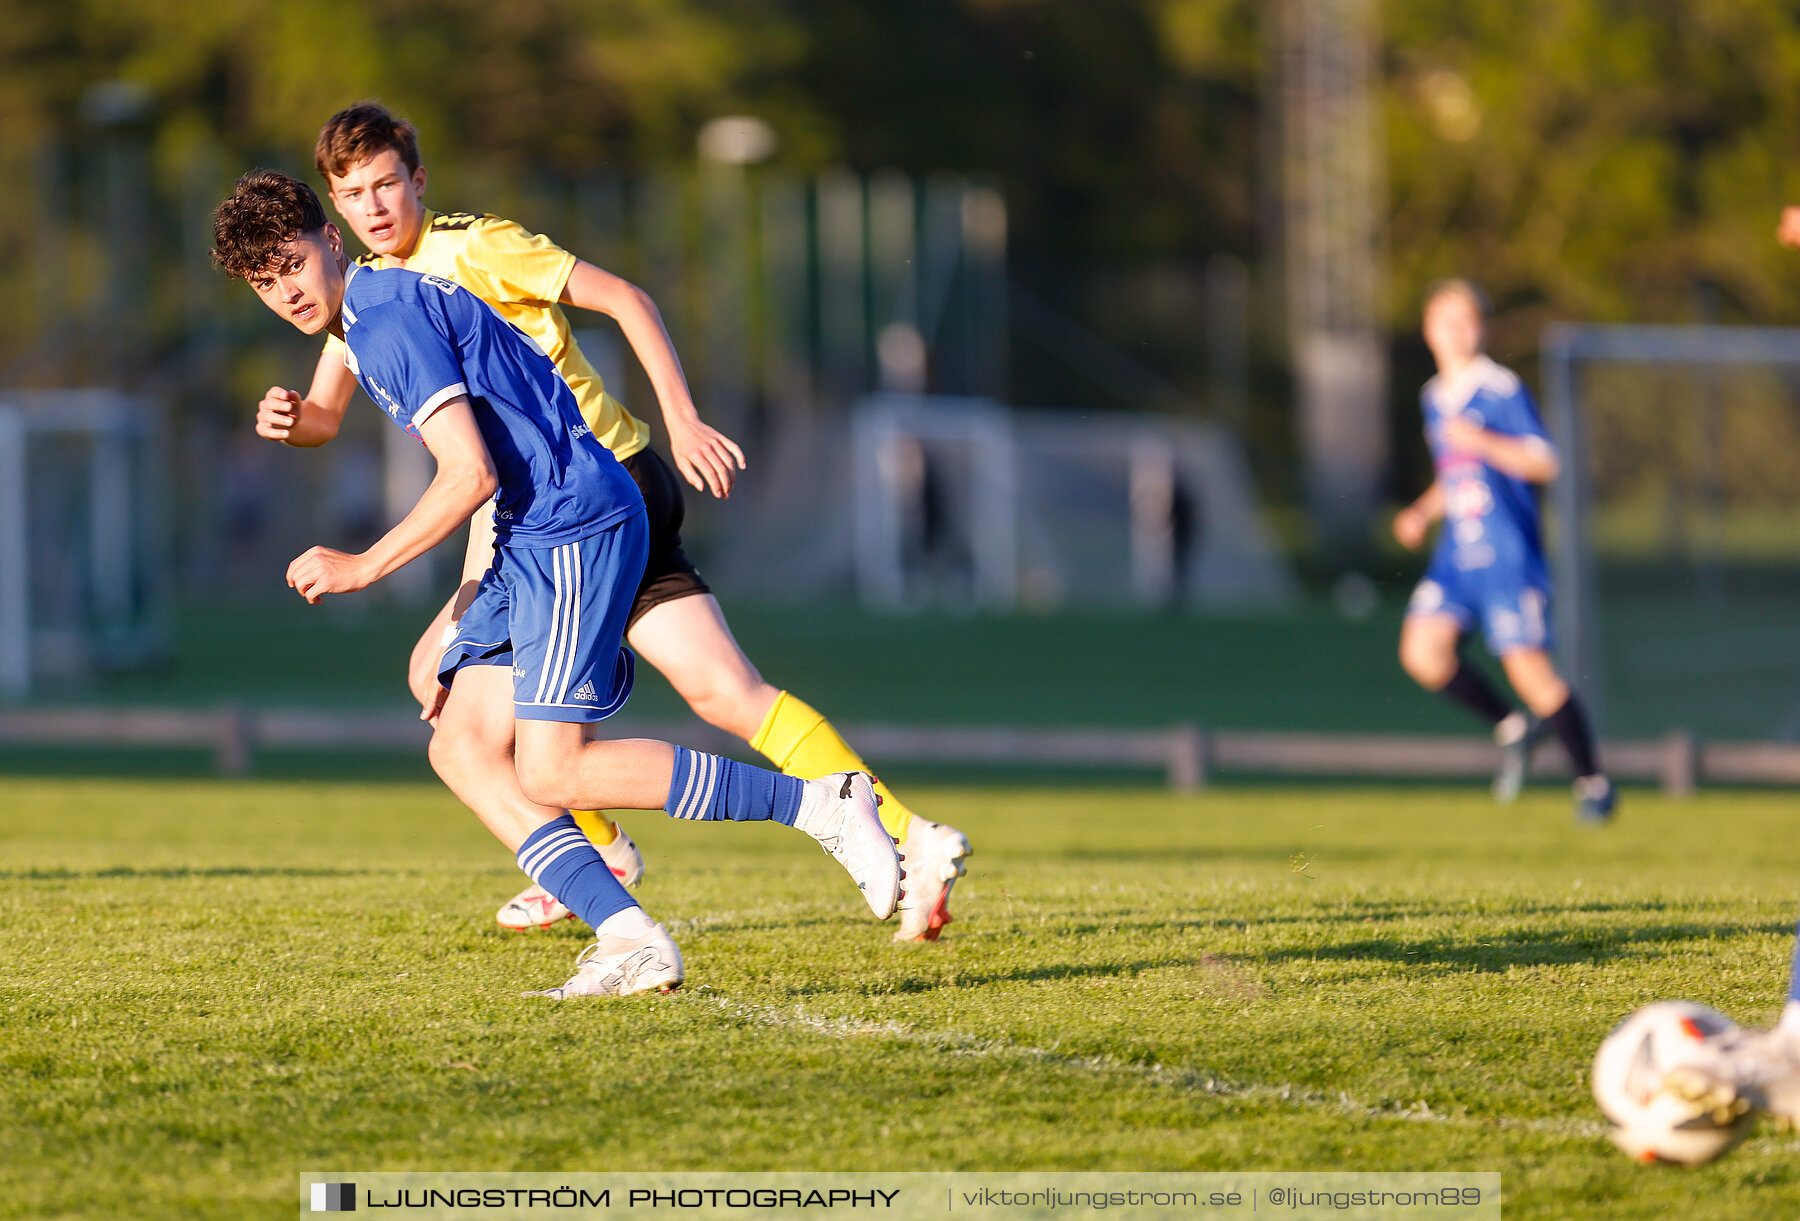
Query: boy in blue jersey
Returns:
{"type": "Point", "coordinates": [537, 656]}
{"type": "Point", "coordinates": [1490, 451]}
{"type": "Point", "coordinates": [369, 158]}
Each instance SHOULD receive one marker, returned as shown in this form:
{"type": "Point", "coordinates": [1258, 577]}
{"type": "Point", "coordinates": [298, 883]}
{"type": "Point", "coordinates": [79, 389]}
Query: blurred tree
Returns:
{"type": "Point", "coordinates": [1584, 158]}
{"type": "Point", "coordinates": [1595, 160]}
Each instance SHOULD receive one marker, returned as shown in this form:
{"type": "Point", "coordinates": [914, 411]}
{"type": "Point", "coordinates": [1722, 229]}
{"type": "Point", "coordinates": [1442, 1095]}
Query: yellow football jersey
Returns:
{"type": "Point", "coordinates": [521, 275]}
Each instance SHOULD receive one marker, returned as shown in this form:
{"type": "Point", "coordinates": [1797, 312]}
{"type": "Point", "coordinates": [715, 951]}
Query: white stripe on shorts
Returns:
{"type": "Point", "coordinates": [574, 625]}
{"type": "Point", "coordinates": [550, 639]}
{"type": "Point", "coordinates": [561, 615]}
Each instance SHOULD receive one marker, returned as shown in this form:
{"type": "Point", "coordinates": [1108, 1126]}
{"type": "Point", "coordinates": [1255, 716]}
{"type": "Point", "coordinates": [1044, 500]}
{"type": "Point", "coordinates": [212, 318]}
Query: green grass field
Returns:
{"type": "Point", "coordinates": [210, 986]}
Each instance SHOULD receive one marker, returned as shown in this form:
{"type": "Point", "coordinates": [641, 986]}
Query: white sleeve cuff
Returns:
{"type": "Point", "coordinates": [437, 400]}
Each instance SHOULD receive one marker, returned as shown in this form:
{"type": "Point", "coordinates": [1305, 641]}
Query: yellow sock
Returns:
{"type": "Point", "coordinates": [596, 826]}
{"type": "Point", "coordinates": [801, 742]}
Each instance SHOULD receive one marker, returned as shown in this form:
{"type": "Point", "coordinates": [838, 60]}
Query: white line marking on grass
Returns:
{"type": "Point", "coordinates": [956, 1043]}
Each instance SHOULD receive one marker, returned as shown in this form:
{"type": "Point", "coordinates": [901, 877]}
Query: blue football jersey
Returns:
{"type": "Point", "coordinates": [1490, 517]}
{"type": "Point", "coordinates": [415, 342]}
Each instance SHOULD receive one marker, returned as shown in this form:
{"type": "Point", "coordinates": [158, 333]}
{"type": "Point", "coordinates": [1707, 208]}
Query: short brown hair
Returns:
{"type": "Point", "coordinates": [356, 133]}
{"type": "Point", "coordinates": [265, 212]}
{"type": "Point", "coordinates": [1457, 286]}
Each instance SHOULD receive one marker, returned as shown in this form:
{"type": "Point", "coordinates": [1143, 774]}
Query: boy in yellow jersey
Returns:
{"type": "Point", "coordinates": [370, 161]}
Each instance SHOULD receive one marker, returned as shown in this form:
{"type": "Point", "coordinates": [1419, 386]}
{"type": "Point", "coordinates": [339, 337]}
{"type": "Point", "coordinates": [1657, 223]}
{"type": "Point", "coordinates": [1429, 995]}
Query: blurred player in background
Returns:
{"type": "Point", "coordinates": [549, 581]}
{"type": "Point", "coordinates": [370, 161]}
{"type": "Point", "coordinates": [1490, 452]}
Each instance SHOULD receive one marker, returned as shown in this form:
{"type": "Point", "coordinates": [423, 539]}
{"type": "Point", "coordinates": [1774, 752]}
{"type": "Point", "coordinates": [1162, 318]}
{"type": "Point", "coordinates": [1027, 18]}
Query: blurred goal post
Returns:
{"type": "Point", "coordinates": [966, 502]}
{"type": "Point", "coordinates": [1567, 351]}
{"type": "Point", "coordinates": [85, 582]}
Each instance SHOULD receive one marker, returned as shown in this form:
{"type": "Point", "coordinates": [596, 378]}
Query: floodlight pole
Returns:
{"type": "Point", "coordinates": [1332, 187]}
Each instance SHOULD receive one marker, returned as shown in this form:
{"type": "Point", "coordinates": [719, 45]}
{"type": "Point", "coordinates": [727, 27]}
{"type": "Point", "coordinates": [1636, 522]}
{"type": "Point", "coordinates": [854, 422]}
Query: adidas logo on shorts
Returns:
{"type": "Point", "coordinates": [585, 693]}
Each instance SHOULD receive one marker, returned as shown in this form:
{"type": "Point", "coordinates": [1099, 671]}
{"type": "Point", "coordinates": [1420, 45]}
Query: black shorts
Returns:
{"type": "Point", "coordinates": [668, 573]}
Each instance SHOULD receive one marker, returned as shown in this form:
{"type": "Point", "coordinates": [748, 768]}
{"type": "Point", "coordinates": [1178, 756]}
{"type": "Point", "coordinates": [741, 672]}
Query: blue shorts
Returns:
{"type": "Point", "coordinates": [1514, 613]}
{"type": "Point", "coordinates": [557, 615]}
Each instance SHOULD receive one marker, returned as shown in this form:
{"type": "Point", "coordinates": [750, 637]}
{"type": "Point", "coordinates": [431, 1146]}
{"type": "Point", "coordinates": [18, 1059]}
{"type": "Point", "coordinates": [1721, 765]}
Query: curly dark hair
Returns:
{"type": "Point", "coordinates": [265, 212]}
{"type": "Point", "coordinates": [356, 133]}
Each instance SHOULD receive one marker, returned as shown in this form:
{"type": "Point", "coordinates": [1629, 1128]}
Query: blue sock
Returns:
{"type": "Point", "coordinates": [712, 788]}
{"type": "Point", "coordinates": [561, 860]}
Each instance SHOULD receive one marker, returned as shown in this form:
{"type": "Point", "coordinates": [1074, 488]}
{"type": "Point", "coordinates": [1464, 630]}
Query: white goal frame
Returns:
{"type": "Point", "coordinates": [127, 537]}
{"type": "Point", "coordinates": [1234, 561]}
{"type": "Point", "coordinates": [1565, 350]}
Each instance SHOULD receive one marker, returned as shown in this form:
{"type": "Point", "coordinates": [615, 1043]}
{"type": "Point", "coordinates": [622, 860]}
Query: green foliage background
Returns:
{"type": "Point", "coordinates": [1584, 158]}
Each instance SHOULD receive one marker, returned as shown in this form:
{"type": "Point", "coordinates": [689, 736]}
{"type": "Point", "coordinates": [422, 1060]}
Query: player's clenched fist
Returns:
{"type": "Point", "coordinates": [277, 414]}
{"type": "Point", "coordinates": [1410, 528]}
{"type": "Point", "coordinates": [320, 571]}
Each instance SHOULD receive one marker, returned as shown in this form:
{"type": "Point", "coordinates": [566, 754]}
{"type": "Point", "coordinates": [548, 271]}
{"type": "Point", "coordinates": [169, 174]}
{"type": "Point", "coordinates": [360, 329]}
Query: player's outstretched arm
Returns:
{"type": "Point", "coordinates": [706, 457]}
{"type": "Point", "coordinates": [1530, 458]}
{"type": "Point", "coordinates": [311, 421]}
{"type": "Point", "coordinates": [464, 481]}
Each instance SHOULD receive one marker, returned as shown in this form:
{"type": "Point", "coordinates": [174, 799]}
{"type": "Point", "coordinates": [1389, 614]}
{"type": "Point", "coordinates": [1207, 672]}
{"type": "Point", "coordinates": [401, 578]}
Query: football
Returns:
{"type": "Point", "coordinates": [1644, 1077]}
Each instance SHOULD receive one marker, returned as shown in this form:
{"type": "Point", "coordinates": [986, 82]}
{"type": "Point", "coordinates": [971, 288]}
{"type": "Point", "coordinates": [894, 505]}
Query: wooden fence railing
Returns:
{"type": "Point", "coordinates": [1187, 755]}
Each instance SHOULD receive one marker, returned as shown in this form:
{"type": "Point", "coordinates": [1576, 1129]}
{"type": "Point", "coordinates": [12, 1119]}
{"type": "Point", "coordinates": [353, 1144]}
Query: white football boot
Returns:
{"type": "Point", "coordinates": [840, 812]}
{"type": "Point", "coordinates": [1515, 735]}
{"type": "Point", "coordinates": [631, 954]}
{"type": "Point", "coordinates": [932, 855]}
{"type": "Point", "coordinates": [623, 858]}
{"type": "Point", "coordinates": [1595, 800]}
{"type": "Point", "coordinates": [535, 907]}
{"type": "Point", "coordinates": [1752, 1070]}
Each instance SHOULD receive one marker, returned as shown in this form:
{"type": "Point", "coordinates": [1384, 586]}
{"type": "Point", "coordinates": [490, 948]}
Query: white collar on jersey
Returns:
{"type": "Point", "coordinates": [344, 308]}
{"type": "Point", "coordinates": [1482, 373]}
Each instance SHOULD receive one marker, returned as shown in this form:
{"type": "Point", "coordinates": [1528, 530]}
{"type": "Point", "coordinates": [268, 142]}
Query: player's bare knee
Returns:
{"type": "Point", "coordinates": [450, 750]}
{"type": "Point", "coordinates": [545, 777]}
{"type": "Point", "coordinates": [1533, 676]}
{"type": "Point", "coordinates": [736, 708]}
{"type": "Point", "coordinates": [1426, 664]}
{"type": "Point", "coordinates": [543, 786]}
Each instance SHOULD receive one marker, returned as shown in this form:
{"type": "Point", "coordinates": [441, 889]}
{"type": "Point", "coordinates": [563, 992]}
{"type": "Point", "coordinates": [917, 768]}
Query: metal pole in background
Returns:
{"type": "Point", "coordinates": [900, 355]}
{"type": "Point", "coordinates": [406, 471]}
{"type": "Point", "coordinates": [843, 287]}
{"type": "Point", "coordinates": [1228, 340]}
{"type": "Point", "coordinates": [120, 111]}
{"type": "Point", "coordinates": [1577, 591]}
{"type": "Point", "coordinates": [1332, 187]}
{"type": "Point", "coordinates": [984, 253]}
{"type": "Point", "coordinates": [787, 361]}
{"type": "Point", "coordinates": [15, 559]}
{"type": "Point", "coordinates": [727, 146]}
